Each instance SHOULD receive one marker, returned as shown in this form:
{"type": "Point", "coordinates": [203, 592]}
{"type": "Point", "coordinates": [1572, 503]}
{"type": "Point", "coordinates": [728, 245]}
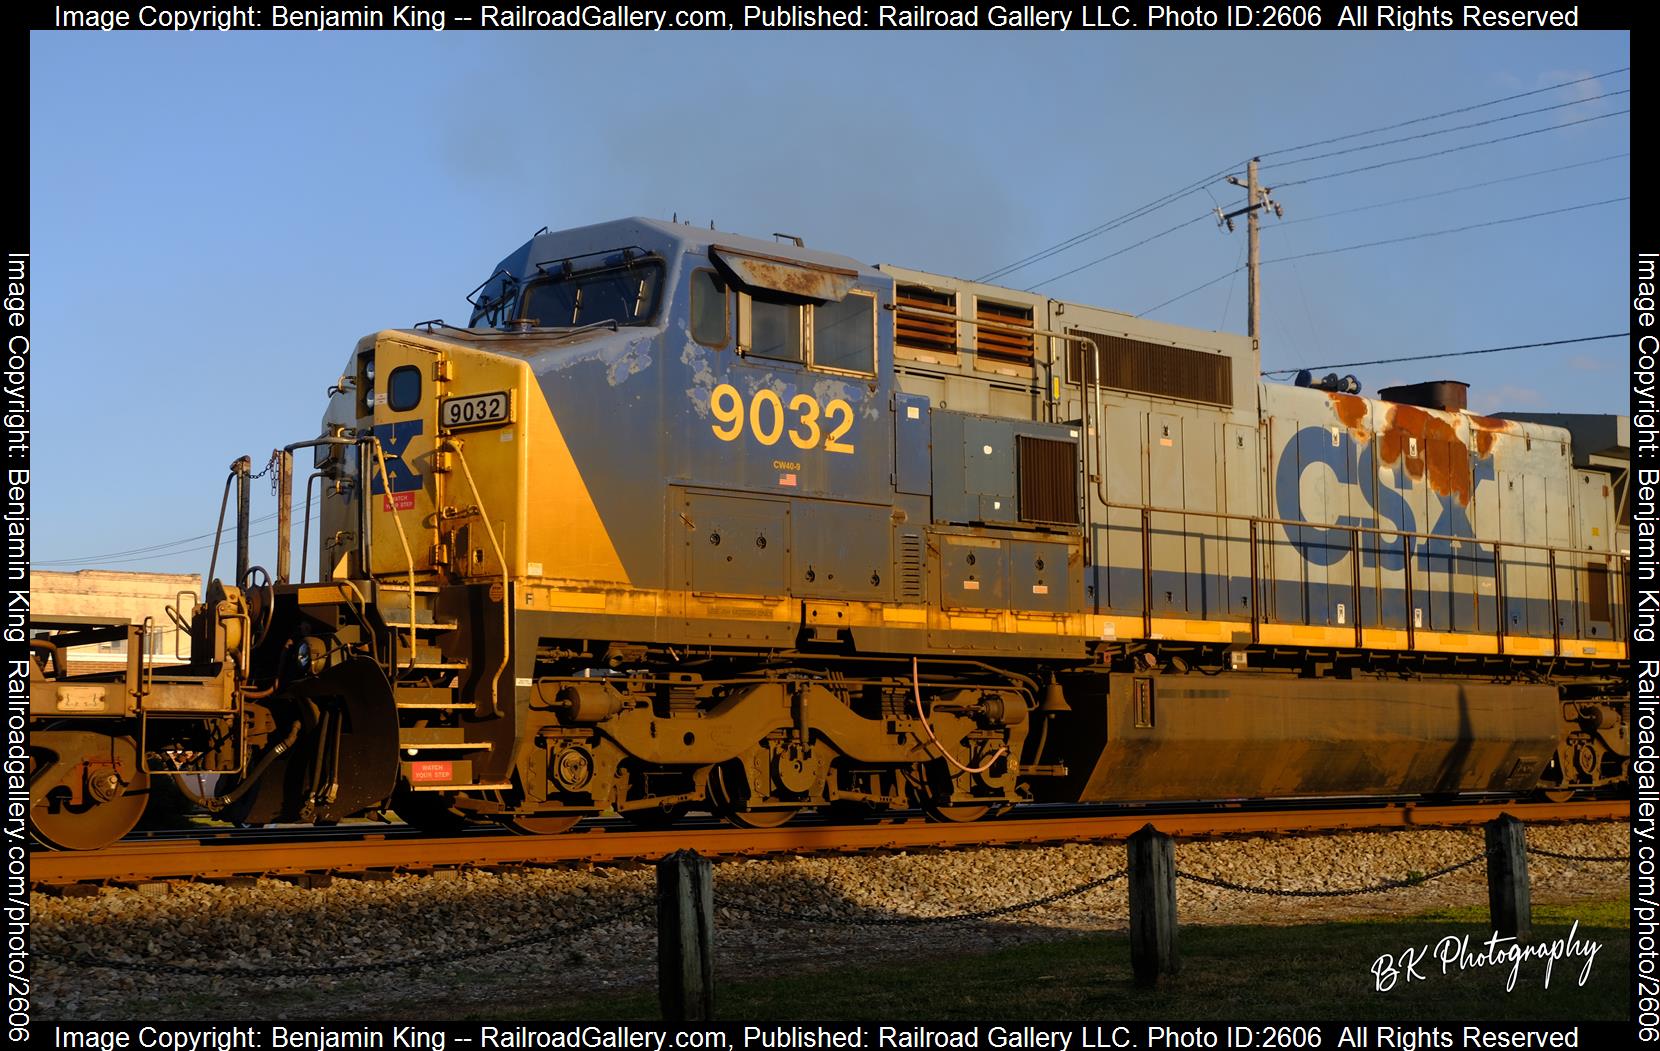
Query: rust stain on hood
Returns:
{"type": "Point", "coordinates": [1487, 431]}
{"type": "Point", "coordinates": [1351, 410]}
{"type": "Point", "coordinates": [1442, 459]}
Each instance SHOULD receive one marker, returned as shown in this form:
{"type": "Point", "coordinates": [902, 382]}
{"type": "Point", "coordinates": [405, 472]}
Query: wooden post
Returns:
{"type": "Point", "coordinates": [685, 937]}
{"type": "Point", "coordinates": [1508, 898]}
{"type": "Point", "coordinates": [1152, 906]}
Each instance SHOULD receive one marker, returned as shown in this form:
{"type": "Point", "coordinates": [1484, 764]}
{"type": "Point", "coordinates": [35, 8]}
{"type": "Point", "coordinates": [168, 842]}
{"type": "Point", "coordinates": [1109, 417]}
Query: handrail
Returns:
{"type": "Point", "coordinates": [454, 444]}
{"type": "Point", "coordinates": [1410, 548]}
{"type": "Point", "coordinates": [403, 538]}
{"type": "Point", "coordinates": [1153, 509]}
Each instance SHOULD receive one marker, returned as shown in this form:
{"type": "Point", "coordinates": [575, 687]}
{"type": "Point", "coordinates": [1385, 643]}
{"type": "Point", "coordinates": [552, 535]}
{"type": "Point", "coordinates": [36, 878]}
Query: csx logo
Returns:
{"type": "Point", "coordinates": [1353, 470]}
{"type": "Point", "coordinates": [394, 440]}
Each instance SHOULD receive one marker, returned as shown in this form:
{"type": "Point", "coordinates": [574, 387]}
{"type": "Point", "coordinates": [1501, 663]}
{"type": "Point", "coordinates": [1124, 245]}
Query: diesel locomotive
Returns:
{"type": "Point", "coordinates": [688, 520]}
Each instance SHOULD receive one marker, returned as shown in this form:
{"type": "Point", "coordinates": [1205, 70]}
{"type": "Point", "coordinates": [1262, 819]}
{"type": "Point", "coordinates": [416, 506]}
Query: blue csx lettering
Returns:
{"type": "Point", "coordinates": [394, 439]}
{"type": "Point", "coordinates": [1326, 547]}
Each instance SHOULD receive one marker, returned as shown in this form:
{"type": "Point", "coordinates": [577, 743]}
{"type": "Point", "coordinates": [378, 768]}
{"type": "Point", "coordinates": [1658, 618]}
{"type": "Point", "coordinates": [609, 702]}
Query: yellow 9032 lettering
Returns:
{"type": "Point", "coordinates": [769, 420]}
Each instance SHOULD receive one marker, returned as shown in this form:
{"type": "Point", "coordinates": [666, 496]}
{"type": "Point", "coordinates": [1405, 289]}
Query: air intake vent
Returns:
{"type": "Point", "coordinates": [1153, 368]}
{"type": "Point", "coordinates": [910, 567]}
{"type": "Point", "coordinates": [925, 320]}
{"type": "Point", "coordinates": [1003, 339]}
{"type": "Point", "coordinates": [1048, 481]}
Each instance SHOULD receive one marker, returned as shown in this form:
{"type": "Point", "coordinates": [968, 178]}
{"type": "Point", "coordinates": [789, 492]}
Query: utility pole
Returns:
{"type": "Point", "coordinates": [1256, 199]}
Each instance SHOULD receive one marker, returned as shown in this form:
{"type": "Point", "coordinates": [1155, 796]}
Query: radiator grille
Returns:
{"type": "Point", "coordinates": [1153, 368]}
{"type": "Point", "coordinates": [1048, 481]}
{"type": "Point", "coordinates": [924, 319]}
{"type": "Point", "coordinates": [910, 567]}
{"type": "Point", "coordinates": [1004, 343]}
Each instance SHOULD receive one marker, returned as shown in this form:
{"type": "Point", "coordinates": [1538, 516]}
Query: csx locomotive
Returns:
{"type": "Point", "coordinates": [690, 520]}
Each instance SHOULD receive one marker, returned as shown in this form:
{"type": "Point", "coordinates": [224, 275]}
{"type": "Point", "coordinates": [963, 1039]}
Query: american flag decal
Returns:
{"type": "Point", "coordinates": [787, 479]}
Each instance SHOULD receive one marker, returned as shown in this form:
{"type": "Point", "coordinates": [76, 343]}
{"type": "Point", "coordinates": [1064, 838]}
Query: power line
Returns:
{"type": "Point", "coordinates": [1450, 149]}
{"type": "Point", "coordinates": [157, 548]}
{"type": "Point", "coordinates": [1189, 292]}
{"type": "Point", "coordinates": [110, 561]}
{"type": "Point", "coordinates": [1450, 190]}
{"type": "Point", "coordinates": [1448, 131]}
{"type": "Point", "coordinates": [1374, 244]}
{"type": "Point", "coordinates": [1121, 251]}
{"type": "Point", "coordinates": [1448, 354]}
{"type": "Point", "coordinates": [1201, 184]}
{"type": "Point", "coordinates": [1441, 233]}
{"type": "Point", "coordinates": [1110, 224]}
{"type": "Point", "coordinates": [1443, 113]}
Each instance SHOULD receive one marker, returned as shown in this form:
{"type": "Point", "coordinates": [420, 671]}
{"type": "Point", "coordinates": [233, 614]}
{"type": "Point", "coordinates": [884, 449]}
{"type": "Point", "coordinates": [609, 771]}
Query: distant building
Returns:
{"type": "Point", "coordinates": [107, 596]}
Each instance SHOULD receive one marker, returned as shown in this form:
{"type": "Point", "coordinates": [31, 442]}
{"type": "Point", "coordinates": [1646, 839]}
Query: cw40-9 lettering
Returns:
{"type": "Point", "coordinates": [807, 424]}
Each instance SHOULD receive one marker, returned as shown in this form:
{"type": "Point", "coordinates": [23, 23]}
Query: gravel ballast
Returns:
{"type": "Point", "coordinates": [774, 916]}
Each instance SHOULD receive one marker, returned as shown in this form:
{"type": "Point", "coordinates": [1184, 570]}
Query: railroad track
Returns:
{"type": "Point", "coordinates": [379, 850]}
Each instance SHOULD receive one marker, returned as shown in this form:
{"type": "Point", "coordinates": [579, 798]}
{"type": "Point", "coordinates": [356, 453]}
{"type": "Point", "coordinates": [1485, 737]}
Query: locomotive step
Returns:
{"type": "Point", "coordinates": [433, 746]}
{"type": "Point", "coordinates": [423, 625]}
{"type": "Point", "coordinates": [493, 786]}
{"type": "Point", "coordinates": [433, 706]}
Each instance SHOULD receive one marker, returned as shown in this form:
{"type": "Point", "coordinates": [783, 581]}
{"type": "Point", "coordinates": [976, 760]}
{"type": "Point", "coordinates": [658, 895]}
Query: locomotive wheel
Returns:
{"type": "Point", "coordinates": [955, 814]}
{"type": "Point", "coordinates": [729, 795]}
{"type": "Point", "coordinates": [542, 824]}
{"type": "Point", "coordinates": [532, 824]}
{"type": "Point", "coordinates": [103, 771]}
{"type": "Point", "coordinates": [1558, 795]}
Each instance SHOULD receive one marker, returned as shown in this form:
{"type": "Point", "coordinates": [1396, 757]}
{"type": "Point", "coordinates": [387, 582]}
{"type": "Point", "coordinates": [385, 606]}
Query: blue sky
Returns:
{"type": "Point", "coordinates": [216, 218]}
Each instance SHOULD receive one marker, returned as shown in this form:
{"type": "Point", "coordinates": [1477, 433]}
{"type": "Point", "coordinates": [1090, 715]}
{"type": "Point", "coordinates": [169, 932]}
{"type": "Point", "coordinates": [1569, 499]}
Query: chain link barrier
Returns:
{"type": "Point", "coordinates": [238, 971]}
{"type": "Point", "coordinates": [762, 911]}
{"type": "Point", "coordinates": [1411, 880]}
{"type": "Point", "coordinates": [788, 916]}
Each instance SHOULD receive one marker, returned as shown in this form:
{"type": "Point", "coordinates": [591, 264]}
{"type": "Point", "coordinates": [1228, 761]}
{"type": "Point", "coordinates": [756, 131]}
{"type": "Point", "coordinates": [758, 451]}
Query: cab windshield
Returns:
{"type": "Point", "coordinates": [625, 295]}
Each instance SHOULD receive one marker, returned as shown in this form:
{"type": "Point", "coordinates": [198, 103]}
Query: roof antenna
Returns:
{"type": "Point", "coordinates": [675, 218]}
{"type": "Point", "coordinates": [791, 237]}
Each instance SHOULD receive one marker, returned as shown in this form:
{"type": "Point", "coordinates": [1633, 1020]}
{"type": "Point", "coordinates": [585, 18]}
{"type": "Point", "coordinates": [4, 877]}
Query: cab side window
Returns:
{"type": "Point", "coordinates": [844, 334]}
{"type": "Point", "coordinates": [708, 308]}
{"type": "Point", "coordinates": [776, 331]}
{"type": "Point", "coordinates": [839, 337]}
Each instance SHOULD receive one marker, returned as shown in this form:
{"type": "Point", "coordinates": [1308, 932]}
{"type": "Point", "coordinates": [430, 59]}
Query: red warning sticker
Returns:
{"type": "Point", "coordinates": [439, 770]}
{"type": "Point", "coordinates": [397, 502]}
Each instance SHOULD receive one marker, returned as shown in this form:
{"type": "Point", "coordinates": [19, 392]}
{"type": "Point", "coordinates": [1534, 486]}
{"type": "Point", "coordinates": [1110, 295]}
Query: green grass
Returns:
{"type": "Point", "coordinates": [1309, 972]}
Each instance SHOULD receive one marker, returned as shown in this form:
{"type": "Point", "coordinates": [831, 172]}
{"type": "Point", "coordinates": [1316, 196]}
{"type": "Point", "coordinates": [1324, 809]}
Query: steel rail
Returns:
{"type": "Point", "coordinates": [224, 858]}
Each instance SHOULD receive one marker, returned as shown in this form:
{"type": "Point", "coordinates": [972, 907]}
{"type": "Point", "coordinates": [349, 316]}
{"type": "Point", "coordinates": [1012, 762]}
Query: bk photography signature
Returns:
{"type": "Point", "coordinates": [1455, 953]}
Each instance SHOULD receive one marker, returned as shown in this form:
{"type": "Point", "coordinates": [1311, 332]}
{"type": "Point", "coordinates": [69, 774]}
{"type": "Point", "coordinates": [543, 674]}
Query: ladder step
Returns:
{"type": "Point", "coordinates": [427, 746]}
{"type": "Point", "coordinates": [420, 589]}
{"type": "Point", "coordinates": [432, 665]}
{"type": "Point", "coordinates": [492, 787]}
{"type": "Point", "coordinates": [434, 706]}
{"type": "Point", "coordinates": [423, 625]}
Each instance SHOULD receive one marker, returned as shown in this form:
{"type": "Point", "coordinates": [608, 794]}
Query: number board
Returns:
{"type": "Point", "coordinates": [476, 410]}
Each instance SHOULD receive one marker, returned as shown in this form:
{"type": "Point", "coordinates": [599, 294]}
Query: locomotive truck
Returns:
{"type": "Point", "coordinates": [684, 519]}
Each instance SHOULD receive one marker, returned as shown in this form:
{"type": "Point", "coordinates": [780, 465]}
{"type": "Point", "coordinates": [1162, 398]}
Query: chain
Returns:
{"type": "Point", "coordinates": [1393, 884]}
{"type": "Point", "coordinates": [149, 967]}
{"type": "Point", "coordinates": [905, 921]}
{"type": "Point", "coordinates": [1542, 852]}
